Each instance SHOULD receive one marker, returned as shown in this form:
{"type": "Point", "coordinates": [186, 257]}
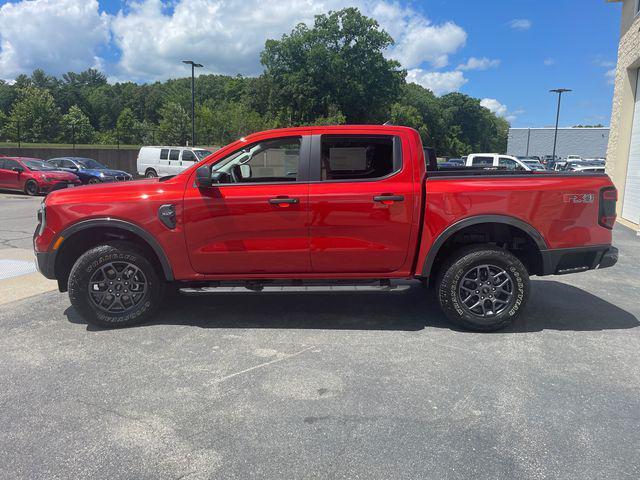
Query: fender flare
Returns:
{"type": "Point", "coordinates": [467, 222]}
{"type": "Point", "coordinates": [129, 227]}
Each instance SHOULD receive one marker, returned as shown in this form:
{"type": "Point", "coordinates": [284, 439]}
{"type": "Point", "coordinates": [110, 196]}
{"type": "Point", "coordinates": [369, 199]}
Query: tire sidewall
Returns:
{"type": "Point", "coordinates": [87, 265]}
{"type": "Point", "coordinates": [450, 299]}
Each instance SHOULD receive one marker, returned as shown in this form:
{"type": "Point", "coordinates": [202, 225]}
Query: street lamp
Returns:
{"type": "Point", "coordinates": [559, 91]}
{"type": "Point", "coordinates": [193, 98]}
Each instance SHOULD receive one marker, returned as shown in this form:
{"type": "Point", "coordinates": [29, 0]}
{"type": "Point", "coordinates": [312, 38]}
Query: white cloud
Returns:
{"type": "Point", "coordinates": [610, 75]}
{"type": "Point", "coordinates": [228, 36]}
{"type": "Point", "coordinates": [55, 35]}
{"type": "Point", "coordinates": [602, 61]}
{"type": "Point", "coordinates": [440, 83]}
{"type": "Point", "coordinates": [549, 61]}
{"type": "Point", "coordinates": [520, 24]}
{"type": "Point", "coordinates": [483, 63]}
{"type": "Point", "coordinates": [417, 39]}
{"type": "Point", "coordinates": [500, 109]}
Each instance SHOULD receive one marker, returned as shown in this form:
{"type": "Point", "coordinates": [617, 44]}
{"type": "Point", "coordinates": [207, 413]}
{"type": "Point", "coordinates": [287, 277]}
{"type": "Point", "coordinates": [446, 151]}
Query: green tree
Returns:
{"type": "Point", "coordinates": [175, 124]}
{"type": "Point", "coordinates": [76, 127]}
{"type": "Point", "coordinates": [336, 64]}
{"type": "Point", "coordinates": [34, 115]}
{"type": "Point", "coordinates": [127, 127]}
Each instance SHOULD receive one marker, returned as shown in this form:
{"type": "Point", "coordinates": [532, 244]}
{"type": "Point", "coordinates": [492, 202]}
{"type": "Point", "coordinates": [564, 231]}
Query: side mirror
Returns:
{"type": "Point", "coordinates": [203, 177]}
{"type": "Point", "coordinates": [18, 169]}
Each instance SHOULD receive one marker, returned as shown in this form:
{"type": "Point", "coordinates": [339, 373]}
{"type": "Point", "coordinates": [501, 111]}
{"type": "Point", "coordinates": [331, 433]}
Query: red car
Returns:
{"type": "Point", "coordinates": [33, 176]}
{"type": "Point", "coordinates": [330, 206]}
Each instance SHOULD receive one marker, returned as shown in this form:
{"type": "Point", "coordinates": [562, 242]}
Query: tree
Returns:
{"type": "Point", "coordinates": [76, 127]}
{"type": "Point", "coordinates": [336, 64]}
{"type": "Point", "coordinates": [175, 124]}
{"type": "Point", "coordinates": [34, 115]}
{"type": "Point", "coordinates": [127, 127]}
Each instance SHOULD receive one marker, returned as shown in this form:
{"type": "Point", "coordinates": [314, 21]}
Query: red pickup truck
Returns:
{"type": "Point", "coordinates": [325, 206]}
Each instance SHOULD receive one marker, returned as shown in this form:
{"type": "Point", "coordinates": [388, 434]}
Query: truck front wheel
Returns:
{"type": "Point", "coordinates": [483, 288]}
{"type": "Point", "coordinates": [114, 285]}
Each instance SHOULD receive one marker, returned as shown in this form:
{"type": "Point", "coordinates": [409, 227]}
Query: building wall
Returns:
{"type": "Point", "coordinates": [623, 99]}
{"type": "Point", "coordinates": [586, 142]}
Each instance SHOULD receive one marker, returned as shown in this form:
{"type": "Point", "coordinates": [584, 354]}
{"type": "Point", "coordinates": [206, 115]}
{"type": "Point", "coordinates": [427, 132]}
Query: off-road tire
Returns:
{"type": "Point", "coordinates": [464, 261]}
{"type": "Point", "coordinates": [100, 256]}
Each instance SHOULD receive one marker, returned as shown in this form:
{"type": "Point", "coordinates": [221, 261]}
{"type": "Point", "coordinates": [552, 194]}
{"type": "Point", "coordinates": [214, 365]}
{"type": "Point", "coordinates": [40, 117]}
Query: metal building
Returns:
{"type": "Point", "coordinates": [586, 142]}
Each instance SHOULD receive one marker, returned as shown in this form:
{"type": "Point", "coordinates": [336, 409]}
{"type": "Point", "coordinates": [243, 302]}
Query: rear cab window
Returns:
{"type": "Point", "coordinates": [482, 161]}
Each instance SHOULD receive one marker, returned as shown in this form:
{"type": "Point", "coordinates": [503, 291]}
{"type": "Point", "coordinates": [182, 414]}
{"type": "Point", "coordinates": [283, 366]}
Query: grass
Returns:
{"type": "Point", "coordinates": [63, 145]}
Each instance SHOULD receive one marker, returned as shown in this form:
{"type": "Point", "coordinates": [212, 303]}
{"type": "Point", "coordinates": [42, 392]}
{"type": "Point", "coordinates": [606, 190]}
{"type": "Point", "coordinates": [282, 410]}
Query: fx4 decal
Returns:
{"type": "Point", "coordinates": [579, 197]}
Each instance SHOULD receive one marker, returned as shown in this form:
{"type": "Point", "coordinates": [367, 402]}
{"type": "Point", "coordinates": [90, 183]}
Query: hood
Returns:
{"type": "Point", "coordinates": [106, 171]}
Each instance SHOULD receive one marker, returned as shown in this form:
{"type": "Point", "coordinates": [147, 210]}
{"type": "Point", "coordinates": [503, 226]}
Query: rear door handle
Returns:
{"type": "Point", "coordinates": [284, 201]}
{"type": "Point", "coordinates": [388, 198]}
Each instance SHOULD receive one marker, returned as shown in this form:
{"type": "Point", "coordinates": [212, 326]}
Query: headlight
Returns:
{"type": "Point", "coordinates": [42, 218]}
{"type": "Point", "coordinates": [101, 174]}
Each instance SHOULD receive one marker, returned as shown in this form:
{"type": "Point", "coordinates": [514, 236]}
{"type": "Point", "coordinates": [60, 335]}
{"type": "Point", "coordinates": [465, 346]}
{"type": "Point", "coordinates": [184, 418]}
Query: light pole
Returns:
{"type": "Point", "coordinates": [559, 91]}
{"type": "Point", "coordinates": [193, 98]}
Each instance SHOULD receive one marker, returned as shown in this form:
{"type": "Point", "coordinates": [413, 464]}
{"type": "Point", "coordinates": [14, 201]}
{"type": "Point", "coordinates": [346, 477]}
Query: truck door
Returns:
{"type": "Point", "coordinates": [361, 202]}
{"type": "Point", "coordinates": [255, 220]}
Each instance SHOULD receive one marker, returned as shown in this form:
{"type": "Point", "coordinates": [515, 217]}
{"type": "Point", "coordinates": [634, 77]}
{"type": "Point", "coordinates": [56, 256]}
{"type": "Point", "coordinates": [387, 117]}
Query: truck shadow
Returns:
{"type": "Point", "coordinates": [553, 306]}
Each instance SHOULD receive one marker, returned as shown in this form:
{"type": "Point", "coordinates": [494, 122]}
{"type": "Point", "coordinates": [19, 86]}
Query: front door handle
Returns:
{"type": "Point", "coordinates": [283, 201]}
{"type": "Point", "coordinates": [386, 199]}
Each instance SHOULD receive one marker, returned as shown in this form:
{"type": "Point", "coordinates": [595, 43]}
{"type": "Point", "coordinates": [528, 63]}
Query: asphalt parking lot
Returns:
{"type": "Point", "coordinates": [350, 385]}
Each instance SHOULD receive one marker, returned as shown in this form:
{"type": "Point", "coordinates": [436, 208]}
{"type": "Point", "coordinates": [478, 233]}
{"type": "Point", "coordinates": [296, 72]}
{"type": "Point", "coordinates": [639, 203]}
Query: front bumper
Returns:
{"type": "Point", "coordinates": [53, 186]}
{"type": "Point", "coordinates": [45, 263]}
{"type": "Point", "coordinates": [573, 260]}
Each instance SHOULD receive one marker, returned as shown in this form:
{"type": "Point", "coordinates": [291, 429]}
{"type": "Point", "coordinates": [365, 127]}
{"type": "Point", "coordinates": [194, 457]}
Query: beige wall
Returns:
{"type": "Point", "coordinates": [623, 98]}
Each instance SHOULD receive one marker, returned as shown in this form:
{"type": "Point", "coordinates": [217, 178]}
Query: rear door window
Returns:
{"type": "Point", "coordinates": [174, 154]}
{"type": "Point", "coordinates": [358, 157]}
{"type": "Point", "coordinates": [164, 154]}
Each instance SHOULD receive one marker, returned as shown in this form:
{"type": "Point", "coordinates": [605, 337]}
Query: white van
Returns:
{"type": "Point", "coordinates": [161, 161]}
{"type": "Point", "coordinates": [495, 160]}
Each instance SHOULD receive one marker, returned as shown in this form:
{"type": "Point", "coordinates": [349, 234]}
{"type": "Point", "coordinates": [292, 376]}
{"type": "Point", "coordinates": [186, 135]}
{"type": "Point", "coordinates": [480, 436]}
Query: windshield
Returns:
{"type": "Point", "coordinates": [90, 163]}
{"type": "Point", "coordinates": [202, 154]}
{"type": "Point", "coordinates": [38, 165]}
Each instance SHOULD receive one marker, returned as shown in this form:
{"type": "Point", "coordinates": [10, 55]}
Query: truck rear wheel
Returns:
{"type": "Point", "coordinates": [483, 288]}
{"type": "Point", "coordinates": [114, 285]}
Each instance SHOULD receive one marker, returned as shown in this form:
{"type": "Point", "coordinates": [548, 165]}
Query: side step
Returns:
{"type": "Point", "coordinates": [296, 287]}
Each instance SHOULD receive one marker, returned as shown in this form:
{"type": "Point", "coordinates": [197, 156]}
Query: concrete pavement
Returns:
{"type": "Point", "coordinates": [355, 385]}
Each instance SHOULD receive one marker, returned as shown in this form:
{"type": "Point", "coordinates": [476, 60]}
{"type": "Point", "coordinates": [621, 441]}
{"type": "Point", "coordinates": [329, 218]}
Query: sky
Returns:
{"type": "Point", "coordinates": [508, 53]}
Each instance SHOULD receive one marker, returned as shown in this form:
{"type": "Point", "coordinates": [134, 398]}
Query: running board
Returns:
{"type": "Point", "coordinates": [296, 289]}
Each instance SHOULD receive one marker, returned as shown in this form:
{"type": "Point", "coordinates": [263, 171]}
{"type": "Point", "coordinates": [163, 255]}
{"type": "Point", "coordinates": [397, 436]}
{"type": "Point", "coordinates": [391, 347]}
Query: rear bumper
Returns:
{"type": "Point", "coordinates": [572, 260]}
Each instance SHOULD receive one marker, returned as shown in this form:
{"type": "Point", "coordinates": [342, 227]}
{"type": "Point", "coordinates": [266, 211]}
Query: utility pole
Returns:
{"type": "Point", "coordinates": [18, 132]}
{"type": "Point", "coordinates": [193, 98]}
{"type": "Point", "coordinates": [559, 91]}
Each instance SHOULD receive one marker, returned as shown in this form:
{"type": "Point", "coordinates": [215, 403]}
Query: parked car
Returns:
{"type": "Point", "coordinates": [456, 161]}
{"type": "Point", "coordinates": [574, 158]}
{"type": "Point", "coordinates": [549, 161]}
{"type": "Point", "coordinates": [533, 164]}
{"type": "Point", "coordinates": [33, 176]}
{"type": "Point", "coordinates": [325, 205]}
{"type": "Point", "coordinates": [89, 170]}
{"type": "Point", "coordinates": [495, 160]}
{"type": "Point", "coordinates": [585, 166]}
{"type": "Point", "coordinates": [161, 161]}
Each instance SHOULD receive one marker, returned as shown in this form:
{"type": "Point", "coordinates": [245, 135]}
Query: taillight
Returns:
{"type": "Point", "coordinates": [607, 208]}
